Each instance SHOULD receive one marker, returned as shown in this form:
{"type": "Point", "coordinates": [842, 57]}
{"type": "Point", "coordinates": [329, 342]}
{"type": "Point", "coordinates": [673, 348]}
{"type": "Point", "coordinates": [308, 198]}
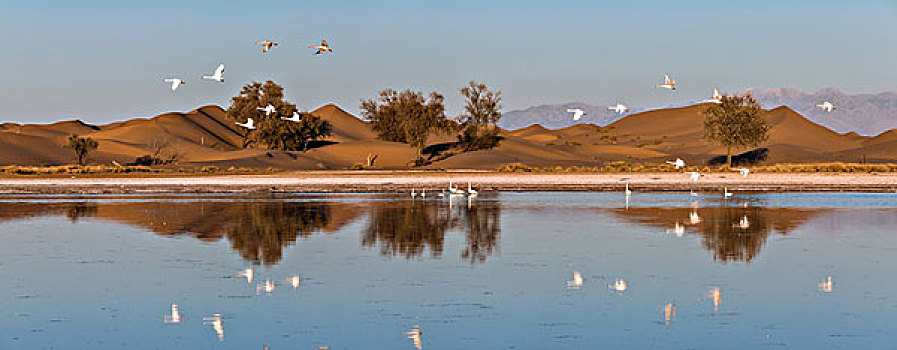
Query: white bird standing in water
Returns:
{"type": "Point", "coordinates": [471, 191]}
{"type": "Point", "coordinates": [726, 193]}
{"type": "Point", "coordinates": [454, 190]}
{"type": "Point", "coordinates": [295, 118]}
{"type": "Point", "coordinates": [627, 191]}
{"type": "Point", "coordinates": [827, 285]}
{"type": "Point", "coordinates": [745, 172]}
{"type": "Point", "coordinates": [619, 108]}
{"type": "Point", "coordinates": [175, 316]}
{"type": "Point", "coordinates": [268, 109]}
{"type": "Point", "coordinates": [218, 76]}
{"type": "Point", "coordinates": [678, 163]}
{"type": "Point", "coordinates": [717, 97]}
{"type": "Point", "coordinates": [246, 273]}
{"type": "Point", "coordinates": [249, 124]}
{"type": "Point", "coordinates": [414, 335]}
{"type": "Point", "coordinates": [577, 113]}
{"type": "Point", "coordinates": [217, 324]}
{"type": "Point", "coordinates": [413, 194]}
{"type": "Point", "coordinates": [716, 295]}
{"type": "Point", "coordinates": [694, 176]}
{"type": "Point", "coordinates": [175, 82]}
{"type": "Point", "coordinates": [826, 106]}
{"type": "Point", "coordinates": [576, 282]}
{"type": "Point", "coordinates": [668, 83]}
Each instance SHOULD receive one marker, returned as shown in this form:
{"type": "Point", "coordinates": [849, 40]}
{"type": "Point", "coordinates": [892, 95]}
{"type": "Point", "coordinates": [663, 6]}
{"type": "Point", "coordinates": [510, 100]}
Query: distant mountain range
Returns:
{"type": "Point", "coordinates": [865, 114]}
{"type": "Point", "coordinates": [556, 116]}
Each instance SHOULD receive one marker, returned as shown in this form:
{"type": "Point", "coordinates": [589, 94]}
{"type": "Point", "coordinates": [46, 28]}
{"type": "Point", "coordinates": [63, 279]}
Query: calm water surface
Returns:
{"type": "Point", "coordinates": [503, 271]}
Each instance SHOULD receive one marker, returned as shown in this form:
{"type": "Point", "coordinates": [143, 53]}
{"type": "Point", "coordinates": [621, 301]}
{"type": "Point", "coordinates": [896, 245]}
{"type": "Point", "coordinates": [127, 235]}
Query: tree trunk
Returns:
{"type": "Point", "coordinates": [729, 156]}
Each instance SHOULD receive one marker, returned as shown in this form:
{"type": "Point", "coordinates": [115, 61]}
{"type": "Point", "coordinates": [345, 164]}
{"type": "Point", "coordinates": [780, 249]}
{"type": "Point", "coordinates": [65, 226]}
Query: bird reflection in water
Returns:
{"type": "Point", "coordinates": [677, 229]}
{"type": "Point", "coordinates": [175, 316]}
{"type": "Point", "coordinates": [248, 274]}
{"type": "Point", "coordinates": [294, 281]}
{"type": "Point", "coordinates": [694, 218]}
{"type": "Point", "coordinates": [619, 286]}
{"type": "Point", "coordinates": [414, 335]}
{"type": "Point", "coordinates": [216, 322]}
{"type": "Point", "coordinates": [576, 282]}
{"type": "Point", "coordinates": [267, 287]}
{"type": "Point", "coordinates": [827, 285]}
{"type": "Point", "coordinates": [669, 313]}
{"type": "Point", "coordinates": [716, 295]}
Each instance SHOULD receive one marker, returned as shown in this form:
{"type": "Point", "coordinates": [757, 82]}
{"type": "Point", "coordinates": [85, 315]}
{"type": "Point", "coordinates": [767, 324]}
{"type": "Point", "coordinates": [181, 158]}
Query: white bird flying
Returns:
{"type": "Point", "coordinates": [577, 113]}
{"type": "Point", "coordinates": [745, 172]}
{"type": "Point", "coordinates": [175, 316]}
{"type": "Point", "coordinates": [668, 83]}
{"type": "Point", "coordinates": [619, 108]}
{"type": "Point", "coordinates": [717, 97]}
{"type": "Point", "coordinates": [576, 282]}
{"type": "Point", "coordinates": [268, 109]}
{"type": "Point", "coordinates": [266, 45]}
{"type": "Point", "coordinates": [249, 124]}
{"type": "Point", "coordinates": [694, 176]}
{"type": "Point", "coordinates": [678, 163]}
{"type": "Point", "coordinates": [322, 48]}
{"type": "Point", "coordinates": [295, 118]}
{"type": "Point", "coordinates": [218, 76]}
{"type": "Point", "coordinates": [826, 106]}
{"type": "Point", "coordinates": [175, 82]}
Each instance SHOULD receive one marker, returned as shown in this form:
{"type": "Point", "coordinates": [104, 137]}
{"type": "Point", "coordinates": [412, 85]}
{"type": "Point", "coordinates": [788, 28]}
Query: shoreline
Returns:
{"type": "Point", "coordinates": [385, 182]}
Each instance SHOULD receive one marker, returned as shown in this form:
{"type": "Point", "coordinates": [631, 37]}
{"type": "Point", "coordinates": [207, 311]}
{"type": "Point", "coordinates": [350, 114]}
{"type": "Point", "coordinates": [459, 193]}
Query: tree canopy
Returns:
{"type": "Point", "coordinates": [482, 112]}
{"type": "Point", "coordinates": [406, 116]}
{"type": "Point", "coordinates": [271, 130]}
{"type": "Point", "coordinates": [735, 122]}
{"type": "Point", "coordinates": [81, 146]}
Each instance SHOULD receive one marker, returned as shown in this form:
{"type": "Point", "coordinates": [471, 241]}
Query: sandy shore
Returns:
{"type": "Point", "coordinates": [433, 181]}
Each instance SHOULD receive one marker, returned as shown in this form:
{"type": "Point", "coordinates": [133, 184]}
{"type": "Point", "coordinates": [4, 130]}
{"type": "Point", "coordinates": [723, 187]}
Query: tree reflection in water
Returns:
{"type": "Point", "coordinates": [728, 239]}
{"type": "Point", "coordinates": [730, 234]}
{"type": "Point", "coordinates": [260, 230]}
{"type": "Point", "coordinates": [408, 228]}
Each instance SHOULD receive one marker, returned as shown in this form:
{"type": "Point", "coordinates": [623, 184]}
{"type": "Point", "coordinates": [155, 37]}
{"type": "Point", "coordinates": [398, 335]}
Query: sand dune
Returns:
{"type": "Point", "coordinates": [206, 136]}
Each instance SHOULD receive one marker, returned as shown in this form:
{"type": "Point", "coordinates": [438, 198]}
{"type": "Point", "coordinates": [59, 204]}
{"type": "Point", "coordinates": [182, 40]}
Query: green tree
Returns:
{"type": "Point", "coordinates": [271, 130]}
{"type": "Point", "coordinates": [735, 122]}
{"type": "Point", "coordinates": [82, 145]}
{"type": "Point", "coordinates": [482, 113]}
{"type": "Point", "coordinates": [406, 116]}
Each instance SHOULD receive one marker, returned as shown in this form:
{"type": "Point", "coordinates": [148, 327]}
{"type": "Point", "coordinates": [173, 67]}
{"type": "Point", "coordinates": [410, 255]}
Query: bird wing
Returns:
{"type": "Point", "coordinates": [666, 78]}
{"type": "Point", "coordinates": [219, 70]}
{"type": "Point", "coordinates": [324, 43]}
{"type": "Point", "coordinates": [320, 51]}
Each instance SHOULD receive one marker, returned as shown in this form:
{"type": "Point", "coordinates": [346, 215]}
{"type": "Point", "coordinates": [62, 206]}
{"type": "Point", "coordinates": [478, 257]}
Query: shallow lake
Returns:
{"type": "Point", "coordinates": [501, 271]}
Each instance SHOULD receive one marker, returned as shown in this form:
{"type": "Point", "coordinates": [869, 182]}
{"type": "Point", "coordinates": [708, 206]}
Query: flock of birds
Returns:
{"type": "Point", "coordinates": [451, 192]}
{"type": "Point", "coordinates": [218, 76]}
{"type": "Point", "coordinates": [670, 84]}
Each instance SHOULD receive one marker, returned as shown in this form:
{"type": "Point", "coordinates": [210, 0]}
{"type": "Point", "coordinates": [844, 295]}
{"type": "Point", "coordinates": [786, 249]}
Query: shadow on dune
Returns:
{"type": "Point", "coordinates": [747, 158]}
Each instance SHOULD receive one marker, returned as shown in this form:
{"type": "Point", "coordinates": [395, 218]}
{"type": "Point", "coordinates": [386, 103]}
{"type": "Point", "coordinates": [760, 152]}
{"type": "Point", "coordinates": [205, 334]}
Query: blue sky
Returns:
{"type": "Point", "coordinates": [104, 60]}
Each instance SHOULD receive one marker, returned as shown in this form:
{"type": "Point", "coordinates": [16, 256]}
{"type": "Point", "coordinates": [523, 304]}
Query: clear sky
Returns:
{"type": "Point", "coordinates": [104, 60]}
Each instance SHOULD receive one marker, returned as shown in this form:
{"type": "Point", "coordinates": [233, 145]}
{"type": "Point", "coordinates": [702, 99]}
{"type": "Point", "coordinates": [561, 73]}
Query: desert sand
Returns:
{"type": "Point", "coordinates": [370, 181]}
{"type": "Point", "coordinates": [206, 137]}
